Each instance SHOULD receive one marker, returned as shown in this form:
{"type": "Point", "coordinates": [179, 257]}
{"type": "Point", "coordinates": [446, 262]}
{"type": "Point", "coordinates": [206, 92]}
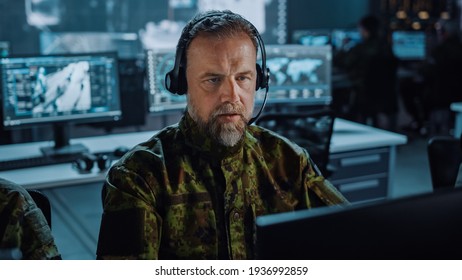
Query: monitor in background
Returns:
{"type": "Point", "coordinates": [4, 48]}
{"type": "Point", "coordinates": [127, 45]}
{"type": "Point", "coordinates": [311, 37]}
{"type": "Point", "coordinates": [299, 74]}
{"type": "Point", "coordinates": [425, 226]}
{"type": "Point", "coordinates": [409, 45]}
{"type": "Point", "coordinates": [59, 90]}
{"type": "Point", "coordinates": [345, 39]}
{"type": "Point", "coordinates": [132, 97]}
{"type": "Point", "coordinates": [158, 63]}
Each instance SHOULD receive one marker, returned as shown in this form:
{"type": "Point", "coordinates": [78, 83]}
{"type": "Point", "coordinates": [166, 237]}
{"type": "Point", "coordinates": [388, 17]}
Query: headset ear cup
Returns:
{"type": "Point", "coordinates": [85, 163]}
{"type": "Point", "coordinates": [259, 77]}
{"type": "Point", "coordinates": [182, 82]}
{"type": "Point", "coordinates": [262, 78]}
{"type": "Point", "coordinates": [171, 82]}
{"type": "Point", "coordinates": [103, 162]}
{"type": "Point", "coordinates": [176, 84]}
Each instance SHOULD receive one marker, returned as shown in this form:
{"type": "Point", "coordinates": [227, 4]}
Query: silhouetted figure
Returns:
{"type": "Point", "coordinates": [443, 77]}
{"type": "Point", "coordinates": [372, 66]}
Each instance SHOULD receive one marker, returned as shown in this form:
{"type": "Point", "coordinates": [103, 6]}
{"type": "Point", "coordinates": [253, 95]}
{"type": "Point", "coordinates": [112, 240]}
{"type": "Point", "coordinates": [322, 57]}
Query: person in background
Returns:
{"type": "Point", "coordinates": [194, 190]}
{"type": "Point", "coordinates": [442, 74]}
{"type": "Point", "coordinates": [372, 69]}
{"type": "Point", "coordinates": [24, 231]}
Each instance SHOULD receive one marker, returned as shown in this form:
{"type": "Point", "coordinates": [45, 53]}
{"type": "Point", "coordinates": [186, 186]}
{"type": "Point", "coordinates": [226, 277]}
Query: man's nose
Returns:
{"type": "Point", "coordinates": [230, 91]}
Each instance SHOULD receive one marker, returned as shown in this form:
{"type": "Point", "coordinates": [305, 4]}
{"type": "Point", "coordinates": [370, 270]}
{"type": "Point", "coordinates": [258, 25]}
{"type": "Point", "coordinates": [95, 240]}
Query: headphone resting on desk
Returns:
{"type": "Point", "coordinates": [86, 162]}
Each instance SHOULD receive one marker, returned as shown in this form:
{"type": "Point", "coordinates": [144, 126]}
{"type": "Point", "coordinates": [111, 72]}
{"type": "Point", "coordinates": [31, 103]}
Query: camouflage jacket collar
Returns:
{"type": "Point", "coordinates": [202, 143]}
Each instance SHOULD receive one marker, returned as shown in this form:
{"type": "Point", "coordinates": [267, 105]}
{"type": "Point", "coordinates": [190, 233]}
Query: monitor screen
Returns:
{"type": "Point", "coordinates": [311, 37]}
{"type": "Point", "coordinates": [158, 63]}
{"type": "Point", "coordinates": [4, 48]}
{"type": "Point", "coordinates": [424, 226]}
{"type": "Point", "coordinates": [299, 74]}
{"type": "Point", "coordinates": [127, 45]}
{"type": "Point", "coordinates": [345, 39]}
{"type": "Point", "coordinates": [409, 45]}
{"type": "Point", "coordinates": [59, 89]}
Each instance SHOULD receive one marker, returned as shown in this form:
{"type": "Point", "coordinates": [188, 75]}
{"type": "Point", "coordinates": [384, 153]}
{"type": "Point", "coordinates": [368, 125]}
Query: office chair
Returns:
{"type": "Point", "coordinates": [42, 202]}
{"type": "Point", "coordinates": [311, 130]}
{"type": "Point", "coordinates": [445, 157]}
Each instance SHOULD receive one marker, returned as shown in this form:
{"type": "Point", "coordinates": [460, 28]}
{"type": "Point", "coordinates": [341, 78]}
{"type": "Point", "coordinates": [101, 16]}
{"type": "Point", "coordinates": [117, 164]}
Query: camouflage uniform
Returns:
{"type": "Point", "coordinates": [22, 224]}
{"type": "Point", "coordinates": [181, 196]}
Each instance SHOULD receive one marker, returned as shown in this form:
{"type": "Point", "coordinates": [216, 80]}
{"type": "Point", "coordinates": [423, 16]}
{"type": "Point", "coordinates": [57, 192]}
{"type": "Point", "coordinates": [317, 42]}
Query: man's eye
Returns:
{"type": "Point", "coordinates": [213, 80]}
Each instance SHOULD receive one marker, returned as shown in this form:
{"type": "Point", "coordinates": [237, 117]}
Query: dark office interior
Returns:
{"type": "Point", "coordinates": [385, 145]}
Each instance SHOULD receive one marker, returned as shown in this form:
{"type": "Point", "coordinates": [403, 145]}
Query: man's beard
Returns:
{"type": "Point", "coordinates": [225, 133]}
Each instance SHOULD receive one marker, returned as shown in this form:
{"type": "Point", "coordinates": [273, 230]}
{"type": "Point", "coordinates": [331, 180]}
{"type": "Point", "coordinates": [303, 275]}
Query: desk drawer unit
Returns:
{"type": "Point", "coordinates": [361, 175]}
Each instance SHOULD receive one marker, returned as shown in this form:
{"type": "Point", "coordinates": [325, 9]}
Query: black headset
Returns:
{"type": "Point", "coordinates": [85, 163]}
{"type": "Point", "coordinates": [175, 79]}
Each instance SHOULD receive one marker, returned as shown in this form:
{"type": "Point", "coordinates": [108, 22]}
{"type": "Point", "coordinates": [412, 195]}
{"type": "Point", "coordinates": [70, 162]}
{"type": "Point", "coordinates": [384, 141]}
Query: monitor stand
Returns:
{"type": "Point", "coordinates": [62, 146]}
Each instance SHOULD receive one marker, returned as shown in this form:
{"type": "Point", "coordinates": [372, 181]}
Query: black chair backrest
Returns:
{"type": "Point", "coordinates": [42, 202]}
{"type": "Point", "coordinates": [444, 156]}
{"type": "Point", "coordinates": [311, 130]}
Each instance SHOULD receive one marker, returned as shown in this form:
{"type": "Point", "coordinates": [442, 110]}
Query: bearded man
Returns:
{"type": "Point", "coordinates": [194, 190]}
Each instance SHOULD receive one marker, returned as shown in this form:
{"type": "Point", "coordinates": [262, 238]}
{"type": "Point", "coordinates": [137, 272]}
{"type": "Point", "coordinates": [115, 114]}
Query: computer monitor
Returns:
{"type": "Point", "coordinates": [59, 90]}
{"type": "Point", "coordinates": [345, 39]}
{"type": "Point", "coordinates": [4, 48]}
{"type": "Point", "coordinates": [126, 44]}
{"type": "Point", "coordinates": [299, 74]}
{"type": "Point", "coordinates": [424, 226]}
{"type": "Point", "coordinates": [409, 45]}
{"type": "Point", "coordinates": [158, 63]}
{"type": "Point", "coordinates": [312, 37]}
{"type": "Point", "coordinates": [133, 97]}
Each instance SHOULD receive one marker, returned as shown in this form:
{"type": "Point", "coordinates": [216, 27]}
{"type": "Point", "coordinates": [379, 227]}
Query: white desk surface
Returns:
{"type": "Point", "coordinates": [351, 136]}
{"type": "Point", "coordinates": [348, 136]}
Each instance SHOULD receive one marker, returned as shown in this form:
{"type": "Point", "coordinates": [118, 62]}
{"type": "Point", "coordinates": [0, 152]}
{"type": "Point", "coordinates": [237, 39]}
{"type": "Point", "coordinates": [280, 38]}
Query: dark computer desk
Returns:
{"type": "Point", "coordinates": [363, 158]}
